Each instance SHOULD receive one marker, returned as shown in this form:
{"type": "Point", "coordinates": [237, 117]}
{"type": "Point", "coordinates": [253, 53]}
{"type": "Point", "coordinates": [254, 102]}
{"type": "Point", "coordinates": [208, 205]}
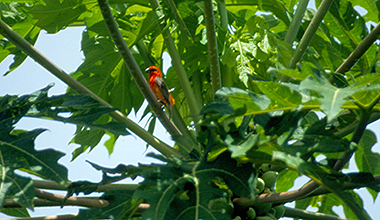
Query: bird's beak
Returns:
{"type": "Point", "coordinates": [147, 70]}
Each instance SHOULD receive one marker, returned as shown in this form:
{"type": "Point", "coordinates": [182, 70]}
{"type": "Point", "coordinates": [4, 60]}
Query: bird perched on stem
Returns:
{"type": "Point", "coordinates": [159, 88]}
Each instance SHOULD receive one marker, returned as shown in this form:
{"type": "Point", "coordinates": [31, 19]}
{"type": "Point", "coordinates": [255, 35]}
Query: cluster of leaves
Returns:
{"type": "Point", "coordinates": [250, 44]}
{"type": "Point", "coordinates": [239, 132]}
{"type": "Point", "coordinates": [254, 119]}
{"type": "Point", "coordinates": [17, 146]}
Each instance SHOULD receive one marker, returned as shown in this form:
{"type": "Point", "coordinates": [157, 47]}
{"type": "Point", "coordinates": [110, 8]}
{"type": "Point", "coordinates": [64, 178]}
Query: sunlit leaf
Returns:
{"type": "Point", "coordinates": [55, 15]}
{"type": "Point", "coordinates": [333, 98]}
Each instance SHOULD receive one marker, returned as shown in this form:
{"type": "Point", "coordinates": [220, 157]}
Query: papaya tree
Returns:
{"type": "Point", "coordinates": [265, 92]}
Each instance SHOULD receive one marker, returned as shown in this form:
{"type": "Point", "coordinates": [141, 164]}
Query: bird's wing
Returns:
{"type": "Point", "coordinates": [163, 88]}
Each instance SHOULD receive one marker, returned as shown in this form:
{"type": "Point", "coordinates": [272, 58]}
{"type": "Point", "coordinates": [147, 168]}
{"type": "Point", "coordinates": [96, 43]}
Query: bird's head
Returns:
{"type": "Point", "coordinates": [153, 70]}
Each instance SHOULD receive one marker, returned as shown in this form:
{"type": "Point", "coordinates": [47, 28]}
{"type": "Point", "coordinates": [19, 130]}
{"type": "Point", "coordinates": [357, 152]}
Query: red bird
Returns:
{"type": "Point", "coordinates": [159, 88]}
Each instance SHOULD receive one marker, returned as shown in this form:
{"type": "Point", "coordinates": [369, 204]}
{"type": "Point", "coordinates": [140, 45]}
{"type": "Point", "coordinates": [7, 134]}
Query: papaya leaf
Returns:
{"type": "Point", "coordinates": [333, 98]}
{"type": "Point", "coordinates": [121, 206]}
{"type": "Point", "coordinates": [285, 180]}
{"type": "Point", "coordinates": [156, 181]}
{"type": "Point", "coordinates": [366, 98]}
{"type": "Point", "coordinates": [372, 12]}
{"type": "Point", "coordinates": [274, 6]}
{"type": "Point", "coordinates": [23, 24]}
{"type": "Point", "coordinates": [16, 212]}
{"type": "Point", "coordinates": [21, 189]}
{"type": "Point", "coordinates": [316, 143]}
{"type": "Point", "coordinates": [282, 96]}
{"type": "Point", "coordinates": [240, 149]}
{"type": "Point", "coordinates": [240, 98]}
{"type": "Point", "coordinates": [367, 160]}
{"type": "Point", "coordinates": [55, 15]}
{"type": "Point", "coordinates": [18, 153]}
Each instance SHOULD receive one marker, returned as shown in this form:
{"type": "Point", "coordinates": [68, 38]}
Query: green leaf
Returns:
{"type": "Point", "coordinates": [367, 97]}
{"type": "Point", "coordinates": [349, 27]}
{"type": "Point", "coordinates": [55, 15]}
{"type": "Point", "coordinates": [19, 188]}
{"type": "Point", "coordinates": [23, 24]}
{"type": "Point", "coordinates": [22, 155]}
{"type": "Point", "coordinates": [285, 180]}
{"type": "Point", "coordinates": [281, 96]}
{"type": "Point", "coordinates": [274, 6]}
{"type": "Point", "coordinates": [239, 150]}
{"type": "Point", "coordinates": [372, 12]}
{"type": "Point", "coordinates": [240, 98]}
{"type": "Point", "coordinates": [333, 98]}
{"type": "Point", "coordinates": [121, 206]}
{"type": "Point", "coordinates": [105, 74]}
{"type": "Point", "coordinates": [367, 160]}
{"type": "Point", "coordinates": [16, 212]}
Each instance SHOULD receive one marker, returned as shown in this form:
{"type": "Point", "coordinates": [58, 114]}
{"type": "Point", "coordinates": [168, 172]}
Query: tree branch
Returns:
{"type": "Point", "coordinates": [177, 119]}
{"type": "Point", "coordinates": [134, 68]}
{"type": "Point", "coordinates": [26, 47]}
{"type": "Point", "coordinates": [177, 64]}
{"type": "Point", "coordinates": [308, 190]}
{"type": "Point", "coordinates": [47, 184]}
{"type": "Point", "coordinates": [86, 202]}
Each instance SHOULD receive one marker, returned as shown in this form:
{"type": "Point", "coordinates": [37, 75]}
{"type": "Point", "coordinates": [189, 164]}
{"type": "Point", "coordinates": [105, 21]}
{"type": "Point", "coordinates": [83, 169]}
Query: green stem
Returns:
{"type": "Point", "coordinates": [223, 15]}
{"type": "Point", "coordinates": [296, 21]}
{"type": "Point", "coordinates": [177, 64]}
{"type": "Point", "coordinates": [134, 68]}
{"type": "Point", "coordinates": [212, 45]}
{"type": "Point", "coordinates": [360, 50]}
{"type": "Point", "coordinates": [303, 214]}
{"type": "Point", "coordinates": [344, 159]}
{"type": "Point", "coordinates": [177, 119]}
{"type": "Point", "coordinates": [360, 128]}
{"type": "Point", "coordinates": [309, 33]}
{"type": "Point", "coordinates": [197, 86]}
{"type": "Point", "coordinates": [26, 47]}
{"type": "Point", "coordinates": [365, 118]}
